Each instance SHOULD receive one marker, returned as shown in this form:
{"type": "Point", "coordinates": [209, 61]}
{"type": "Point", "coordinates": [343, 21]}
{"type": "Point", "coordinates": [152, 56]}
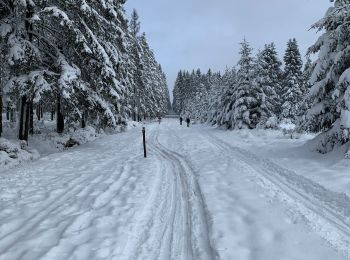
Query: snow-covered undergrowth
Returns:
{"type": "Point", "coordinates": [47, 141]}
{"type": "Point", "coordinates": [15, 152]}
{"type": "Point", "coordinates": [329, 141]}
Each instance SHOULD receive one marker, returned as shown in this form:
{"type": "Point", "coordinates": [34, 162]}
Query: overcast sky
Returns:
{"type": "Point", "coordinates": [188, 34]}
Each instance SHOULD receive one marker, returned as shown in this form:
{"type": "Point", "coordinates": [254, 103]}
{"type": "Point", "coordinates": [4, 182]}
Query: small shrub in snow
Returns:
{"type": "Point", "coordinates": [272, 123]}
{"type": "Point", "coordinates": [7, 146]}
{"type": "Point", "coordinates": [14, 153]}
{"type": "Point", "coordinates": [347, 155]}
{"type": "Point", "coordinates": [71, 143]}
{"type": "Point", "coordinates": [72, 138]}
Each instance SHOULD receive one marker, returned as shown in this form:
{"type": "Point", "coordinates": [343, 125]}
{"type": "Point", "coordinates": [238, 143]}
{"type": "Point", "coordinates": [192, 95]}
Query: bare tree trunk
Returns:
{"type": "Point", "coordinates": [8, 111]}
{"type": "Point", "coordinates": [31, 117]}
{"type": "Point", "coordinates": [52, 114]}
{"type": "Point", "coordinates": [37, 111]}
{"type": "Point", "coordinates": [60, 118]}
{"type": "Point", "coordinates": [22, 118]}
{"type": "Point", "coordinates": [134, 109]}
{"type": "Point", "coordinates": [0, 114]}
{"type": "Point", "coordinates": [27, 121]}
{"type": "Point", "coordinates": [13, 115]}
{"type": "Point", "coordinates": [83, 121]}
{"type": "Point", "coordinates": [24, 123]}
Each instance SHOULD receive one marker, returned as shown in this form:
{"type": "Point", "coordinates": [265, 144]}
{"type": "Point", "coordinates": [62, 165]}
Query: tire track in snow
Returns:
{"type": "Point", "coordinates": [158, 231]}
{"type": "Point", "coordinates": [172, 224]}
{"type": "Point", "coordinates": [197, 223]}
{"type": "Point", "coordinates": [181, 217]}
{"type": "Point", "coordinates": [328, 212]}
{"type": "Point", "coordinates": [151, 214]}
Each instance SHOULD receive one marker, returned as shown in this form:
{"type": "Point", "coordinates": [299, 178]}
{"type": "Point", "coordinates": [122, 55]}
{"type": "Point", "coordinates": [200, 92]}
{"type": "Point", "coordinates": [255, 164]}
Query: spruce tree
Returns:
{"type": "Point", "coordinates": [24, 61]}
{"type": "Point", "coordinates": [268, 76]}
{"type": "Point", "coordinates": [1, 109]}
{"type": "Point", "coordinates": [243, 110]}
{"type": "Point", "coordinates": [74, 58]}
{"type": "Point", "coordinates": [305, 103]}
{"type": "Point", "coordinates": [292, 90]}
{"type": "Point", "coordinates": [215, 96]}
{"type": "Point", "coordinates": [330, 79]}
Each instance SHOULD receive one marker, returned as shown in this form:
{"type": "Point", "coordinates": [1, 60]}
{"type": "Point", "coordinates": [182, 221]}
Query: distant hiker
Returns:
{"type": "Point", "coordinates": [188, 121]}
{"type": "Point", "coordinates": [181, 119]}
{"type": "Point", "coordinates": [159, 119]}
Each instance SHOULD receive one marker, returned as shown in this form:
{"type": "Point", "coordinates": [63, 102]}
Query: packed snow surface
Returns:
{"type": "Point", "coordinates": [201, 194]}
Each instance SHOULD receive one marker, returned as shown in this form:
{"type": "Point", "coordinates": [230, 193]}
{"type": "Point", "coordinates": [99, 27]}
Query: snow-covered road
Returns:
{"type": "Point", "coordinates": [197, 197]}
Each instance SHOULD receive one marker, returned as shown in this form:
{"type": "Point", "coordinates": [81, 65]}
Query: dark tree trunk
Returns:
{"type": "Point", "coordinates": [28, 24]}
{"type": "Point", "coordinates": [0, 114]}
{"type": "Point", "coordinates": [60, 118]}
{"type": "Point", "coordinates": [8, 110]}
{"type": "Point", "coordinates": [134, 115]}
{"type": "Point", "coordinates": [25, 116]}
{"type": "Point", "coordinates": [83, 121]}
{"type": "Point", "coordinates": [13, 117]}
{"type": "Point", "coordinates": [27, 121]}
{"type": "Point", "coordinates": [134, 110]}
{"type": "Point", "coordinates": [31, 118]}
{"type": "Point", "coordinates": [41, 111]}
{"type": "Point", "coordinates": [22, 118]}
{"type": "Point", "coordinates": [52, 114]}
{"type": "Point", "coordinates": [37, 111]}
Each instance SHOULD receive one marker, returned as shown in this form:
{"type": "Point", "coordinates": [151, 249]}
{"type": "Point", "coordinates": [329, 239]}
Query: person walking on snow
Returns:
{"type": "Point", "coordinates": [188, 121]}
{"type": "Point", "coordinates": [181, 119]}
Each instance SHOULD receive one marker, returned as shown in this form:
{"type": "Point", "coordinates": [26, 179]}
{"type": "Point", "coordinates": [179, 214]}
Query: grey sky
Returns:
{"type": "Point", "coordinates": [189, 34]}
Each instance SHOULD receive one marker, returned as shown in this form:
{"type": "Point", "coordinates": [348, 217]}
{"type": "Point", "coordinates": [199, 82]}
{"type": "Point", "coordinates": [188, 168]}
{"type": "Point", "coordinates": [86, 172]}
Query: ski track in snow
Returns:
{"type": "Point", "coordinates": [105, 201]}
{"type": "Point", "coordinates": [72, 209]}
{"type": "Point", "coordinates": [75, 211]}
{"type": "Point", "coordinates": [327, 212]}
{"type": "Point", "coordinates": [173, 223]}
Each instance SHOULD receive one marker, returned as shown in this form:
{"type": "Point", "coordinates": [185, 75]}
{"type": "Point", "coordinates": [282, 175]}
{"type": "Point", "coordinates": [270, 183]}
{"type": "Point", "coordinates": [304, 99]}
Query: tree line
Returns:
{"type": "Point", "coordinates": [259, 93]}
{"type": "Point", "coordinates": [254, 94]}
{"type": "Point", "coordinates": [82, 61]}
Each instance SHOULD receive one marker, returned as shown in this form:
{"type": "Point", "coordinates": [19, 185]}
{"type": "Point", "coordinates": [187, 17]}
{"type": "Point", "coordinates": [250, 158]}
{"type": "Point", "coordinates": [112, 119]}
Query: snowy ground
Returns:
{"type": "Point", "coordinates": [45, 140]}
{"type": "Point", "coordinates": [202, 194]}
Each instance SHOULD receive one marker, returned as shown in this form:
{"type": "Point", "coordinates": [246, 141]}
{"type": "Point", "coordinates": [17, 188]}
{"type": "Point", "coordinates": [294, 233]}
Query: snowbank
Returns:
{"type": "Point", "coordinates": [332, 141]}
{"type": "Point", "coordinates": [51, 142]}
{"type": "Point", "coordinates": [47, 141]}
{"type": "Point", "coordinates": [13, 153]}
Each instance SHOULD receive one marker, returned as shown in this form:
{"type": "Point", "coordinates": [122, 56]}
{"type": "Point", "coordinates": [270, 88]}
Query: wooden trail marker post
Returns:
{"type": "Point", "coordinates": [144, 142]}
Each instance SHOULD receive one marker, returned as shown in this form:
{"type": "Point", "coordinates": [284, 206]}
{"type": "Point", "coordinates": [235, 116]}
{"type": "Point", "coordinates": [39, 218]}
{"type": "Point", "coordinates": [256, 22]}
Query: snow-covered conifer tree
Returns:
{"type": "Point", "coordinates": [306, 102]}
{"type": "Point", "coordinates": [268, 76]}
{"type": "Point", "coordinates": [292, 90]}
{"type": "Point", "coordinates": [330, 91]}
{"type": "Point", "coordinates": [74, 57]}
{"type": "Point", "coordinates": [25, 62]}
{"type": "Point", "coordinates": [242, 107]}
